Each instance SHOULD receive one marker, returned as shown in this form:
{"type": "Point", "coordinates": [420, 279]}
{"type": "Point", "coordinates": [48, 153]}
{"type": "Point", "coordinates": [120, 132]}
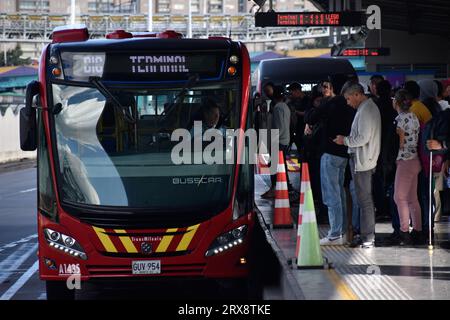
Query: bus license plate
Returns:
{"type": "Point", "coordinates": [146, 267]}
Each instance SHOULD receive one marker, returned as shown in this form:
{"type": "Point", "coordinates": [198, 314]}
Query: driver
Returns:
{"type": "Point", "coordinates": [210, 113]}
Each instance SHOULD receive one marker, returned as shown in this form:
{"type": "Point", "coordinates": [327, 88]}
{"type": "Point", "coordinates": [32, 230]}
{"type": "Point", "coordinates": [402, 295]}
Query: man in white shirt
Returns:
{"type": "Point", "coordinates": [363, 145]}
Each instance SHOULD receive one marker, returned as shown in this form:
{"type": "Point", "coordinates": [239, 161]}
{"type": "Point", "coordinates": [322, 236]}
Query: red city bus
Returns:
{"type": "Point", "coordinates": [111, 202]}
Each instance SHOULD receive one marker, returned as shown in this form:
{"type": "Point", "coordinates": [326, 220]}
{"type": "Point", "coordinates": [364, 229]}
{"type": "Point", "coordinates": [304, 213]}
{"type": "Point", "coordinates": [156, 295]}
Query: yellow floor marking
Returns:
{"type": "Point", "coordinates": [342, 288]}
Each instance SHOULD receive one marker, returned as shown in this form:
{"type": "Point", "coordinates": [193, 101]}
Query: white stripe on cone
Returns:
{"type": "Point", "coordinates": [303, 187]}
{"type": "Point", "coordinates": [300, 215]}
{"type": "Point", "coordinates": [280, 168]}
{"type": "Point", "coordinates": [281, 185]}
{"type": "Point", "coordinates": [309, 217]}
{"type": "Point", "coordinates": [281, 203]}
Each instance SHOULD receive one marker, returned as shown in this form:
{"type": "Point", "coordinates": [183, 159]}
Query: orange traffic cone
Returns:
{"type": "Point", "coordinates": [309, 254]}
{"type": "Point", "coordinates": [282, 211]}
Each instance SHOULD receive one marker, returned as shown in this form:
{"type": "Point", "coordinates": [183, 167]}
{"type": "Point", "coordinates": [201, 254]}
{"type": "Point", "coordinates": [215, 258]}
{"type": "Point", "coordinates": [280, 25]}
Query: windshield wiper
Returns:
{"type": "Point", "coordinates": [188, 85]}
{"type": "Point", "coordinates": [108, 95]}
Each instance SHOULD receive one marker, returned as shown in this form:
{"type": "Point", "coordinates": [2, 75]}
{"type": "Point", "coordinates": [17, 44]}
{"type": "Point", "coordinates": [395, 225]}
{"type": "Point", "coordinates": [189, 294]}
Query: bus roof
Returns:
{"type": "Point", "coordinates": [303, 70]}
{"type": "Point", "coordinates": [144, 43]}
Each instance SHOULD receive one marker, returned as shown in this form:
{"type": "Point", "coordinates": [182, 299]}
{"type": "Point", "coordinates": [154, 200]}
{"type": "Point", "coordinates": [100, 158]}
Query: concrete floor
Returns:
{"type": "Point", "coordinates": [380, 273]}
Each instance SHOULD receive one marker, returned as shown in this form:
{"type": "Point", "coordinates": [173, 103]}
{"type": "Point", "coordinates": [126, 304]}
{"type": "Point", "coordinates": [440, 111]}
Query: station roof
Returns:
{"type": "Point", "coordinates": [413, 16]}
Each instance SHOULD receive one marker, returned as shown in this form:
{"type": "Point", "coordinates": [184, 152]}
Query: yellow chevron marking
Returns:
{"type": "Point", "coordinates": [105, 240]}
{"type": "Point", "coordinates": [165, 242]}
{"type": "Point", "coordinates": [126, 241]}
{"type": "Point", "coordinates": [187, 238]}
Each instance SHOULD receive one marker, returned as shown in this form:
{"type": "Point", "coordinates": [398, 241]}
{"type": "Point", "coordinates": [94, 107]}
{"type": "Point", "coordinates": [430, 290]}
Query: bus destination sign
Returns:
{"type": "Point", "coordinates": [139, 66]}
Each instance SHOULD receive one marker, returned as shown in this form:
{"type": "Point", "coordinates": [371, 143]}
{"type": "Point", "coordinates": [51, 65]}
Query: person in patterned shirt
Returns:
{"type": "Point", "coordinates": [408, 168]}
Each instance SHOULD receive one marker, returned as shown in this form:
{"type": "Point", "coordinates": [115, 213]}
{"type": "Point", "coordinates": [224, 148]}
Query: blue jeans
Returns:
{"type": "Point", "coordinates": [332, 173]}
{"type": "Point", "coordinates": [356, 213]}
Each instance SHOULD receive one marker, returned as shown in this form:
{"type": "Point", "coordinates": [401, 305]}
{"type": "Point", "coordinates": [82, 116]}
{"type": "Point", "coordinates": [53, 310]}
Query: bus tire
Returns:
{"type": "Point", "coordinates": [57, 290]}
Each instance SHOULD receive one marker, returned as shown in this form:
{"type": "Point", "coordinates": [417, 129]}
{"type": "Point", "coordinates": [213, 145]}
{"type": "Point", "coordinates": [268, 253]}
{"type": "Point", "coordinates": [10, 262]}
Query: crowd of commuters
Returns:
{"type": "Point", "coordinates": [369, 153]}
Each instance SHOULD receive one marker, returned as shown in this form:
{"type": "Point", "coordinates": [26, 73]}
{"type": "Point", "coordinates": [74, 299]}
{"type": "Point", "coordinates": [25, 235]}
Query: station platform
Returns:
{"type": "Point", "coordinates": [379, 273]}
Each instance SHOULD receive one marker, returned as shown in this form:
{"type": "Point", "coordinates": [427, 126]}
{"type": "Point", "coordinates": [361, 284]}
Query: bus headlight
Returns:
{"type": "Point", "coordinates": [68, 241]}
{"type": "Point", "coordinates": [64, 243]}
{"type": "Point", "coordinates": [54, 236]}
{"type": "Point", "coordinates": [227, 241]}
{"type": "Point", "coordinates": [234, 59]}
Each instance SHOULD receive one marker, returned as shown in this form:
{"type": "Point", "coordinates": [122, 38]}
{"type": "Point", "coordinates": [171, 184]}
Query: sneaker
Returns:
{"type": "Point", "coordinates": [356, 242]}
{"type": "Point", "coordinates": [337, 241]}
{"type": "Point", "coordinates": [368, 244]}
{"type": "Point", "coordinates": [270, 194]}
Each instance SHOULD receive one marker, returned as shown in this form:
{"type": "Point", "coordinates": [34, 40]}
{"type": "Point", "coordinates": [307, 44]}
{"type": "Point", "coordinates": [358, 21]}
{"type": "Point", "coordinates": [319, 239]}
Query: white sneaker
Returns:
{"type": "Point", "coordinates": [338, 241]}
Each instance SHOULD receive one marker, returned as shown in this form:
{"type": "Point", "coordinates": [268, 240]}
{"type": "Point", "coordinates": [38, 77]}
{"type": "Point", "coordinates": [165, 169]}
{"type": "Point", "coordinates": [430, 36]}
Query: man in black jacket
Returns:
{"type": "Point", "coordinates": [383, 179]}
{"type": "Point", "coordinates": [298, 103]}
{"type": "Point", "coordinates": [337, 118]}
{"type": "Point", "coordinates": [443, 142]}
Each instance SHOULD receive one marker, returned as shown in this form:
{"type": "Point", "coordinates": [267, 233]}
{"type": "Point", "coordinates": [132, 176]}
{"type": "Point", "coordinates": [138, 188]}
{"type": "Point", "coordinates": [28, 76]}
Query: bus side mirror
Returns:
{"type": "Point", "coordinates": [28, 131]}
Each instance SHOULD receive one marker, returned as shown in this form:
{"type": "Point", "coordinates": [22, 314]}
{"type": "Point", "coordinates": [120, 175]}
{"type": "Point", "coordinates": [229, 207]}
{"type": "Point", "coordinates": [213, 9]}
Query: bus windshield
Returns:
{"type": "Point", "coordinates": [106, 160]}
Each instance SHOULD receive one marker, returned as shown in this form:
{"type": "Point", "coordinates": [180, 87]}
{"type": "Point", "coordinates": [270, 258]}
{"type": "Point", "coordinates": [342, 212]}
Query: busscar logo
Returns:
{"type": "Point", "coordinates": [158, 64]}
{"type": "Point", "coordinates": [197, 181]}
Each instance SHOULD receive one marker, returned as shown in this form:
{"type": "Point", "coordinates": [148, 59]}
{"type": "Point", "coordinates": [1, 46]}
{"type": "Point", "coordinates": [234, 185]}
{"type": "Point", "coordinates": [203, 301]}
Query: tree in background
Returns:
{"type": "Point", "coordinates": [13, 58]}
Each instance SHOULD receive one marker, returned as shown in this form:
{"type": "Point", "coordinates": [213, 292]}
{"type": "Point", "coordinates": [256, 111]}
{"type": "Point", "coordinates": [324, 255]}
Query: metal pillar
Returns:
{"type": "Point", "coordinates": [150, 16]}
{"type": "Point", "coordinates": [72, 12]}
{"type": "Point", "coordinates": [189, 33]}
